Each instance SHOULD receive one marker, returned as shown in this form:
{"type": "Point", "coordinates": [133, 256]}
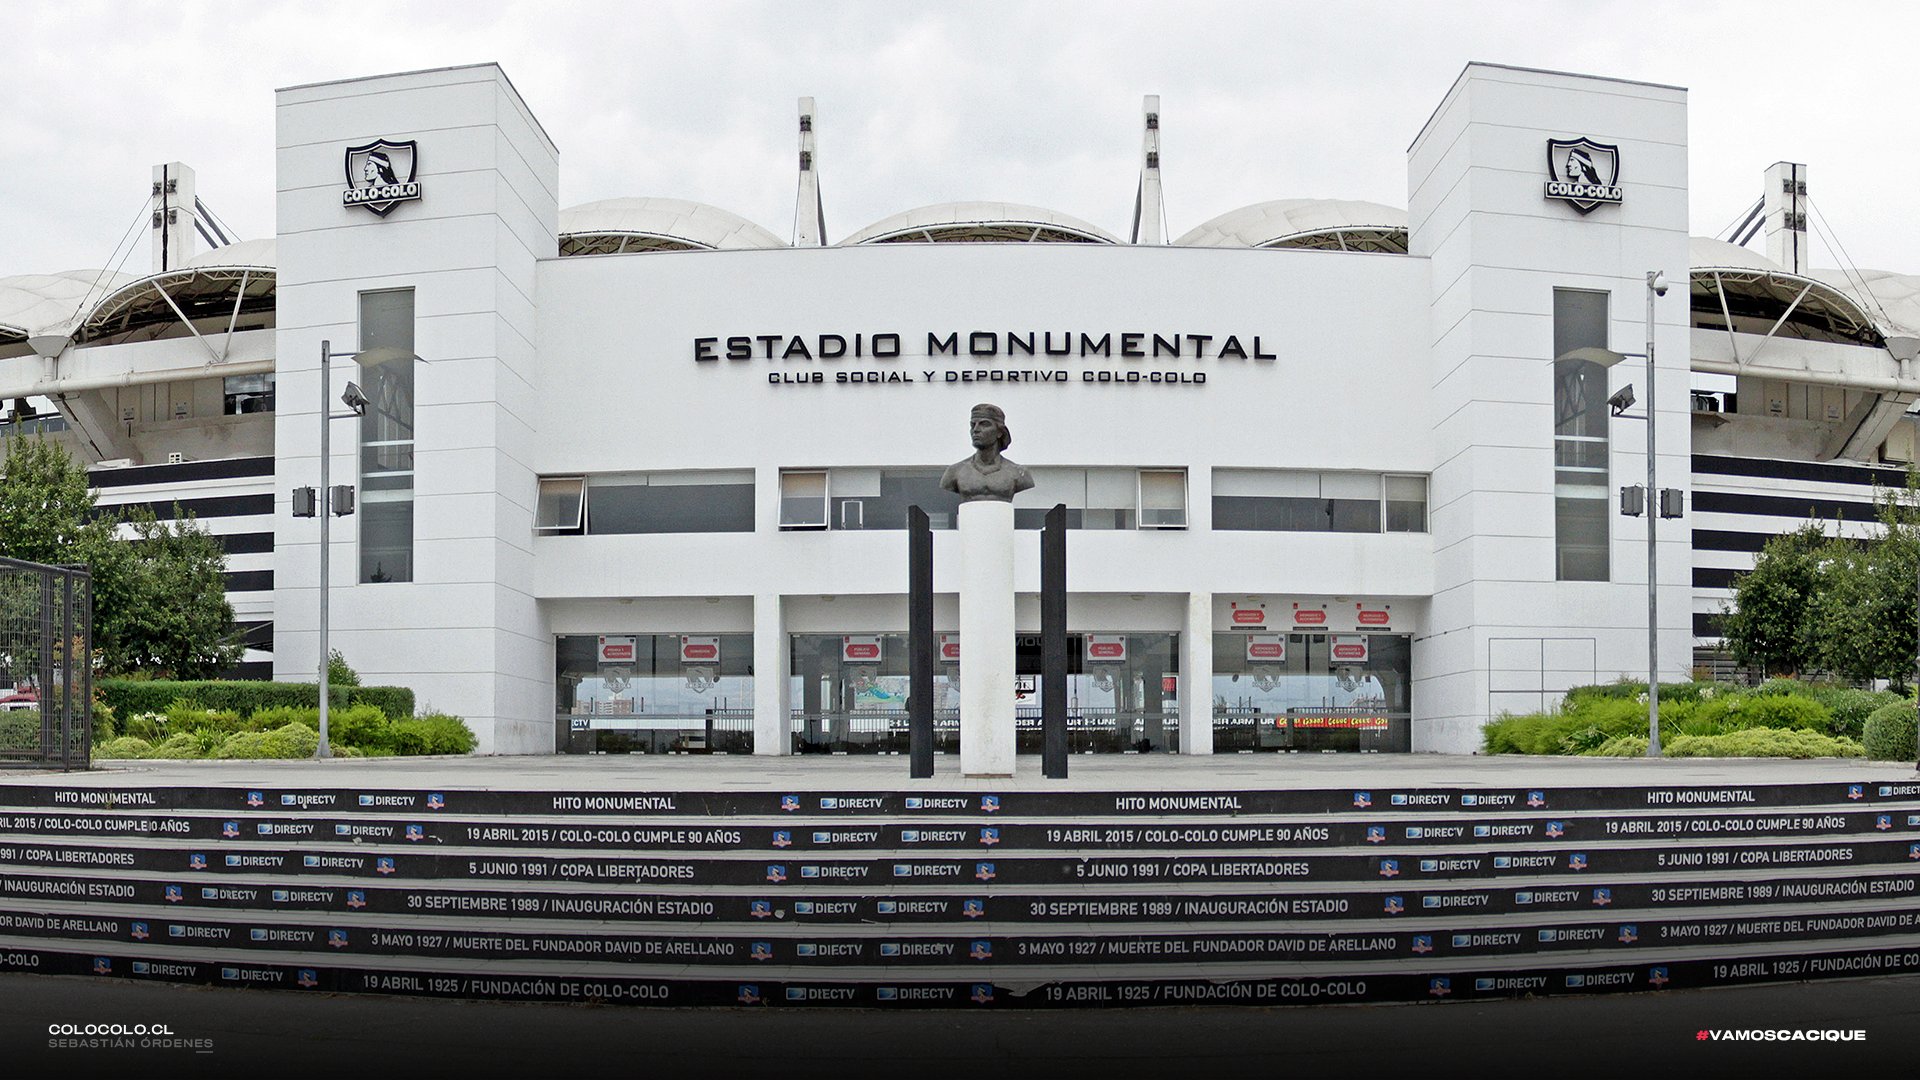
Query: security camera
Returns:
{"type": "Point", "coordinates": [1657, 281]}
{"type": "Point", "coordinates": [1622, 400]}
{"type": "Point", "coordinates": [354, 399]}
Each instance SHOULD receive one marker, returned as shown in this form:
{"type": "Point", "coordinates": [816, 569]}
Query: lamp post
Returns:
{"type": "Point", "coordinates": [327, 504]}
{"type": "Point", "coordinates": [1652, 501]}
{"type": "Point", "coordinates": [1905, 351]}
{"type": "Point", "coordinates": [1656, 286]}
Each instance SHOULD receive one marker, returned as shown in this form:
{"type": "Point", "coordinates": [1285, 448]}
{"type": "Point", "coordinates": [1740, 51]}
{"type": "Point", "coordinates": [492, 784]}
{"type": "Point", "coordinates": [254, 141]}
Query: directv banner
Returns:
{"type": "Point", "coordinates": [1453, 984]}
{"type": "Point", "coordinates": [795, 947]}
{"type": "Point", "coordinates": [965, 903]}
{"type": "Point", "coordinates": [986, 865]}
{"type": "Point", "coordinates": [1086, 804]}
{"type": "Point", "coordinates": [1349, 830]}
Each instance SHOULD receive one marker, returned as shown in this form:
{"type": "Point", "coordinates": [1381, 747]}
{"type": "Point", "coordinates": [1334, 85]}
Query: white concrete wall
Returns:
{"type": "Point", "coordinates": [466, 634]}
{"type": "Point", "coordinates": [1498, 248]}
{"type": "Point", "coordinates": [622, 391]}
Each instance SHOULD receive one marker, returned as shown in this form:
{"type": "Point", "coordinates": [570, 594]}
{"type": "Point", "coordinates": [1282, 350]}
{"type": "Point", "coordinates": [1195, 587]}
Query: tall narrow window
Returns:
{"type": "Point", "coordinates": [386, 435]}
{"type": "Point", "coordinates": [1582, 522]}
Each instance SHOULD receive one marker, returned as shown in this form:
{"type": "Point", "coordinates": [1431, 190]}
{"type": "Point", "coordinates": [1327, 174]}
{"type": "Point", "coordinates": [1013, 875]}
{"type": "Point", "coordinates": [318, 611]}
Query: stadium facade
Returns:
{"type": "Point", "coordinates": [633, 475]}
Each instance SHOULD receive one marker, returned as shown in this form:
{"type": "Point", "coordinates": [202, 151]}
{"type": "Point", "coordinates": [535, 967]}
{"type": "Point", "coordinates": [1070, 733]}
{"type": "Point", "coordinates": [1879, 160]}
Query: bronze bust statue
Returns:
{"type": "Point", "coordinates": [987, 476]}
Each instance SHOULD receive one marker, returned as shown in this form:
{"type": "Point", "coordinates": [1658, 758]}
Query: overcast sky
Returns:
{"type": "Point", "coordinates": [921, 103]}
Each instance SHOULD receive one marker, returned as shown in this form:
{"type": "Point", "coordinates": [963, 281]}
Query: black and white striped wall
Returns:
{"type": "Point", "coordinates": [232, 498]}
{"type": "Point", "coordinates": [1740, 503]}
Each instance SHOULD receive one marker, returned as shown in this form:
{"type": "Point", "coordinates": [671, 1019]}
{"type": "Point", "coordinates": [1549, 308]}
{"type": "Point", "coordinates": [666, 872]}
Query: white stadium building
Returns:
{"type": "Point", "coordinates": [633, 476]}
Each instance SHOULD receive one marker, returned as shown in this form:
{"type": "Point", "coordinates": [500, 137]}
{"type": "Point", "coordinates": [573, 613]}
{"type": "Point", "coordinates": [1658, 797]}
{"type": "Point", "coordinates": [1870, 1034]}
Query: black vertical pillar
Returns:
{"type": "Point", "coordinates": [1053, 645]}
{"type": "Point", "coordinates": [920, 644]}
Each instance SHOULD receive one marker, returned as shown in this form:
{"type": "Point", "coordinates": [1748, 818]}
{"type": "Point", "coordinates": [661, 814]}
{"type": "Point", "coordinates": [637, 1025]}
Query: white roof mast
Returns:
{"type": "Point", "coordinates": [175, 213]}
{"type": "Point", "coordinates": [1786, 206]}
{"type": "Point", "coordinates": [1146, 200]}
{"type": "Point", "coordinates": [809, 217]}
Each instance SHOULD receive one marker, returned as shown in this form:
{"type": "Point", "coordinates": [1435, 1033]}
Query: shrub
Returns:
{"type": "Point", "coordinates": [182, 746]}
{"type": "Point", "coordinates": [188, 716]}
{"type": "Point", "coordinates": [288, 741]}
{"type": "Point", "coordinates": [150, 726]}
{"type": "Point", "coordinates": [127, 696]}
{"type": "Point", "coordinates": [1628, 690]}
{"type": "Point", "coordinates": [1779, 710]}
{"type": "Point", "coordinates": [103, 728]}
{"type": "Point", "coordinates": [1587, 738]}
{"type": "Point", "coordinates": [434, 733]}
{"type": "Point", "coordinates": [126, 746]}
{"type": "Point", "coordinates": [394, 702]}
{"type": "Point", "coordinates": [1621, 746]}
{"type": "Point", "coordinates": [20, 729]}
{"type": "Point", "coordinates": [1763, 742]}
{"type": "Point", "coordinates": [1889, 732]}
{"type": "Point", "coordinates": [1781, 688]}
{"type": "Point", "coordinates": [338, 672]}
{"type": "Point", "coordinates": [1548, 733]}
{"type": "Point", "coordinates": [1850, 707]}
{"type": "Point", "coordinates": [361, 726]}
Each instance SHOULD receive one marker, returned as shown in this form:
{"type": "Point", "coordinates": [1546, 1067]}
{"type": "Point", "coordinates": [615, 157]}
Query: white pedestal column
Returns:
{"type": "Point", "coordinates": [986, 639]}
{"type": "Point", "coordinates": [771, 659]}
{"type": "Point", "coordinates": [1196, 676]}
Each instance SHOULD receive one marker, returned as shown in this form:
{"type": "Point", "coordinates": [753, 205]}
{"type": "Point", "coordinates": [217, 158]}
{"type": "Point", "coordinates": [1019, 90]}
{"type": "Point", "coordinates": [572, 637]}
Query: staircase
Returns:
{"type": "Point", "coordinates": [962, 899]}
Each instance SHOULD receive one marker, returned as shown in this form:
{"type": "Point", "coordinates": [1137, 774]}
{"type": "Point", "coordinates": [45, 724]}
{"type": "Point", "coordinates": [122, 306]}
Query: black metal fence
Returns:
{"type": "Point", "coordinates": [46, 665]}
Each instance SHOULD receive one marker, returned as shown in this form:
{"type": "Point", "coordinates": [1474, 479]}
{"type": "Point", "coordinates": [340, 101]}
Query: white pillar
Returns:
{"type": "Point", "coordinates": [987, 669]}
{"type": "Point", "coordinates": [772, 657]}
{"type": "Point", "coordinates": [1196, 676]}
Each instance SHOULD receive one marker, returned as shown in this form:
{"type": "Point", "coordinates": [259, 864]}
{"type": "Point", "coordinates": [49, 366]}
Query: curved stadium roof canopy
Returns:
{"type": "Point", "coordinates": [1323, 224]}
{"type": "Point", "coordinates": [615, 226]}
{"type": "Point", "coordinates": [980, 223]}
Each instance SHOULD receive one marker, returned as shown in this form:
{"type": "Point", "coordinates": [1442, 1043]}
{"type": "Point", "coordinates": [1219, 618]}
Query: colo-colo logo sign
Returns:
{"type": "Point", "coordinates": [1583, 172]}
{"type": "Point", "coordinates": [381, 174]}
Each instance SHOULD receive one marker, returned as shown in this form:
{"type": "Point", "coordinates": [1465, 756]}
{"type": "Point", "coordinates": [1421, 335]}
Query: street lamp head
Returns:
{"type": "Point", "coordinates": [1657, 281]}
{"type": "Point", "coordinates": [1622, 400]}
{"type": "Point", "coordinates": [354, 399]}
{"type": "Point", "coordinates": [1594, 355]}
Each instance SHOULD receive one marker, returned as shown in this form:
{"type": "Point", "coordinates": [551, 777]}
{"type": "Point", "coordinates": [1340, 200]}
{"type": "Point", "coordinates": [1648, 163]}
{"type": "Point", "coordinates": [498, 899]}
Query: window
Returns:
{"type": "Point", "coordinates": [1163, 498]}
{"type": "Point", "coordinates": [1352, 501]}
{"type": "Point", "coordinates": [879, 498]}
{"type": "Point", "coordinates": [1581, 514]}
{"type": "Point", "coordinates": [695, 501]}
{"type": "Point", "coordinates": [864, 498]}
{"type": "Point", "coordinates": [385, 365]}
{"type": "Point", "coordinates": [247, 394]}
{"type": "Point", "coordinates": [1104, 498]}
{"type": "Point", "coordinates": [1406, 503]}
{"type": "Point", "coordinates": [803, 500]}
{"type": "Point", "coordinates": [627, 692]}
{"type": "Point", "coordinates": [558, 508]}
{"type": "Point", "coordinates": [1288, 500]}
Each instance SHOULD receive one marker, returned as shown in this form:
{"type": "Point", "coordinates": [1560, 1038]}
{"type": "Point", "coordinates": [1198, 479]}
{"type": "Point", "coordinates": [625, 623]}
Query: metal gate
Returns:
{"type": "Point", "coordinates": [46, 665]}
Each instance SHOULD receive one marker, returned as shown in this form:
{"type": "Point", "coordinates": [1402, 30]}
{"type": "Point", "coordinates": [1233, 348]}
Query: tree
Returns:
{"type": "Point", "coordinates": [1770, 623]}
{"type": "Point", "coordinates": [46, 509]}
{"type": "Point", "coordinates": [1864, 614]}
{"type": "Point", "coordinates": [160, 601]}
{"type": "Point", "coordinates": [159, 593]}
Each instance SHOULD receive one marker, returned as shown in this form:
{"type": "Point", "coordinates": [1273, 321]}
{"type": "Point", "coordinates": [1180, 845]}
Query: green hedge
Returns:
{"type": "Point", "coordinates": [129, 696]}
{"type": "Point", "coordinates": [184, 733]}
{"type": "Point", "coordinates": [1889, 732]}
{"type": "Point", "coordinates": [1763, 742]}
